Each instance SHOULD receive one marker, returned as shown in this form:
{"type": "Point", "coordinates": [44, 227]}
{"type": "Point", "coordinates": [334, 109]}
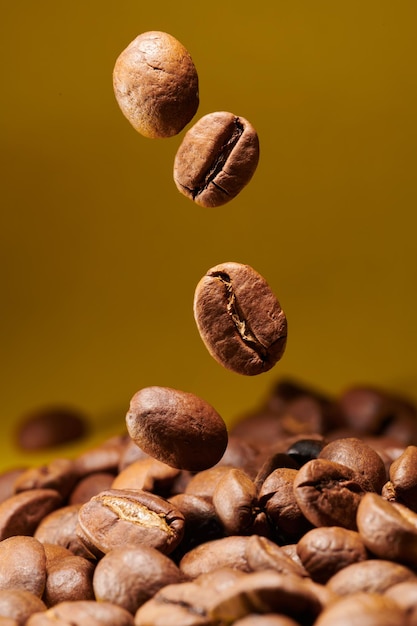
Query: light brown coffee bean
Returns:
{"type": "Point", "coordinates": [20, 514]}
{"type": "Point", "coordinates": [216, 554]}
{"type": "Point", "coordinates": [148, 474]}
{"type": "Point", "coordinates": [176, 428]}
{"type": "Point", "coordinates": [53, 552]}
{"type": "Point", "coordinates": [388, 531]}
{"type": "Point", "coordinates": [262, 553]}
{"type": "Point", "coordinates": [156, 84]}
{"type": "Point", "coordinates": [266, 592]}
{"type": "Point", "coordinates": [326, 550]}
{"type": "Point", "coordinates": [19, 604]}
{"type": "Point", "coordinates": [235, 501]}
{"type": "Point", "coordinates": [7, 481]}
{"type": "Point", "coordinates": [59, 527]}
{"type": "Point", "coordinates": [90, 486]}
{"type": "Point", "coordinates": [328, 493]}
{"type": "Point", "coordinates": [102, 458]}
{"type": "Point", "coordinates": [278, 499]}
{"type": "Point", "coordinates": [239, 319]}
{"type": "Point", "coordinates": [119, 517]}
{"type": "Point", "coordinates": [364, 460]}
{"type": "Point", "coordinates": [403, 477]}
{"type": "Point", "coordinates": [175, 604]}
{"type": "Point", "coordinates": [371, 576]}
{"type": "Point", "coordinates": [22, 564]}
{"type": "Point", "coordinates": [204, 483]}
{"type": "Point", "coordinates": [216, 159]}
{"type": "Point", "coordinates": [128, 577]}
{"type": "Point", "coordinates": [59, 474]}
{"type": "Point", "coordinates": [81, 613]}
{"type": "Point", "coordinates": [201, 522]}
{"type": "Point", "coordinates": [69, 579]}
{"type": "Point", "coordinates": [366, 609]}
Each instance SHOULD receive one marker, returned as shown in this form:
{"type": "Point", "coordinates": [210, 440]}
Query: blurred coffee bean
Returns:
{"type": "Point", "coordinates": [51, 426]}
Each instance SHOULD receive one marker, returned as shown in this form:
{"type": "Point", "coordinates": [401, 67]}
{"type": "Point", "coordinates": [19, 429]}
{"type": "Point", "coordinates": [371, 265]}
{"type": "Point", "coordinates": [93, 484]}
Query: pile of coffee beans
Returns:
{"type": "Point", "coordinates": [304, 513]}
{"type": "Point", "coordinates": [309, 517]}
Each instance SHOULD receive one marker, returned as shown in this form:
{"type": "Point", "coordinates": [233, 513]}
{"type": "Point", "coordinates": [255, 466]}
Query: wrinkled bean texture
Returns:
{"type": "Point", "coordinates": [156, 84]}
{"type": "Point", "coordinates": [240, 319]}
{"type": "Point", "coordinates": [216, 159]}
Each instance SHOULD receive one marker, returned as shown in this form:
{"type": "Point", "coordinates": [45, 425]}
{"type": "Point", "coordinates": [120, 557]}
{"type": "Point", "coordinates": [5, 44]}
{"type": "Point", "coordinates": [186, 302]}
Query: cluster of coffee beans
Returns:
{"type": "Point", "coordinates": [156, 85]}
{"type": "Point", "coordinates": [303, 514]}
{"type": "Point", "coordinates": [308, 518]}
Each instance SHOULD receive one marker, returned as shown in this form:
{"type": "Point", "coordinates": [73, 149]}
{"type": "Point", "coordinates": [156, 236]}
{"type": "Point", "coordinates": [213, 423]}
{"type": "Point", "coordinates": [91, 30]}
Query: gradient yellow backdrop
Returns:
{"type": "Point", "coordinates": [100, 254]}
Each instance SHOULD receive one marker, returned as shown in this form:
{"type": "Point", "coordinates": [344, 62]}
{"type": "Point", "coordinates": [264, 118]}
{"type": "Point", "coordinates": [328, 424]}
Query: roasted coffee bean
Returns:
{"type": "Point", "coordinates": [241, 454]}
{"type": "Point", "coordinates": [277, 460]}
{"type": "Point", "coordinates": [404, 594]}
{"type": "Point", "coordinates": [328, 493]}
{"type": "Point", "coordinates": [177, 428]}
{"type": "Point", "coordinates": [403, 477]}
{"type": "Point", "coordinates": [59, 474]}
{"type": "Point", "coordinates": [262, 553]}
{"type": "Point", "coordinates": [53, 552]}
{"type": "Point", "coordinates": [235, 501]}
{"type": "Point", "coordinates": [239, 319]}
{"type": "Point", "coordinates": [175, 604]}
{"type": "Point", "coordinates": [365, 409]}
{"type": "Point", "coordinates": [201, 522]}
{"type": "Point", "coordinates": [305, 450]}
{"type": "Point", "coordinates": [59, 527]}
{"type": "Point", "coordinates": [81, 613]}
{"type": "Point", "coordinates": [216, 159]}
{"type": "Point", "coordinates": [118, 517]}
{"type": "Point", "coordinates": [326, 550]}
{"type": "Point", "coordinates": [7, 481]}
{"type": "Point", "coordinates": [90, 486]}
{"type": "Point", "coordinates": [148, 474]}
{"type": "Point", "coordinates": [204, 483]}
{"type": "Point", "coordinates": [366, 609]}
{"type": "Point", "coordinates": [278, 499]}
{"type": "Point", "coordinates": [266, 592]}
{"type": "Point", "coordinates": [212, 555]}
{"type": "Point", "coordinates": [371, 576]}
{"type": "Point", "coordinates": [68, 580]}
{"type": "Point", "coordinates": [130, 576]}
{"type": "Point", "coordinates": [19, 604]}
{"type": "Point", "coordinates": [22, 564]}
{"type": "Point", "coordinates": [49, 427]}
{"type": "Point", "coordinates": [102, 458]}
{"type": "Point", "coordinates": [20, 514]}
{"type": "Point", "coordinates": [156, 84]}
{"type": "Point", "coordinates": [388, 531]}
{"type": "Point", "coordinates": [367, 464]}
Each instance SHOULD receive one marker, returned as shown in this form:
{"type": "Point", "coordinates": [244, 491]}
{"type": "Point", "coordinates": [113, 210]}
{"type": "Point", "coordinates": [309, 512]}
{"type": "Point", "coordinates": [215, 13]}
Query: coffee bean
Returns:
{"type": "Point", "coordinates": [262, 554]}
{"type": "Point", "coordinates": [118, 517]}
{"type": "Point", "coordinates": [81, 613]}
{"type": "Point", "coordinates": [201, 522]}
{"type": "Point", "coordinates": [156, 84]}
{"type": "Point", "coordinates": [22, 564]}
{"type": "Point", "coordinates": [59, 474]}
{"type": "Point", "coordinates": [239, 319]}
{"type": "Point", "coordinates": [354, 453]}
{"type": "Point", "coordinates": [271, 619]}
{"type": "Point", "coordinates": [19, 604]}
{"type": "Point", "coordinates": [90, 486]}
{"type": "Point", "coordinates": [326, 550]}
{"type": "Point", "coordinates": [235, 501]}
{"type": "Point", "coordinates": [49, 427]}
{"type": "Point", "coordinates": [366, 609]}
{"type": "Point", "coordinates": [403, 477]}
{"type": "Point", "coordinates": [216, 159]}
{"type": "Point", "coordinates": [328, 493]}
{"type": "Point", "coordinates": [212, 555]}
{"type": "Point", "coordinates": [372, 576]}
{"type": "Point", "coordinates": [177, 428]}
{"type": "Point", "coordinates": [404, 594]}
{"type": "Point", "coordinates": [68, 580]}
{"type": "Point", "coordinates": [148, 474]}
{"type": "Point", "coordinates": [388, 530]}
{"type": "Point", "coordinates": [129, 576]}
{"type": "Point", "coordinates": [20, 514]}
{"type": "Point", "coordinates": [59, 527]}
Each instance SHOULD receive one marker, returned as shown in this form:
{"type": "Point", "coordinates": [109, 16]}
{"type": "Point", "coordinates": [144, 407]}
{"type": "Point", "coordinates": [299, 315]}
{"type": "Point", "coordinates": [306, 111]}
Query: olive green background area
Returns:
{"type": "Point", "coordinates": [100, 254]}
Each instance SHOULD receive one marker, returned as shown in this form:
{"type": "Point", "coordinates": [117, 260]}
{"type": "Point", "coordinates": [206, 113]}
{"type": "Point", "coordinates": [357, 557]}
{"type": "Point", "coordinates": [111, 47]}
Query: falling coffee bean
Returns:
{"type": "Point", "coordinates": [239, 319]}
{"type": "Point", "coordinates": [217, 158]}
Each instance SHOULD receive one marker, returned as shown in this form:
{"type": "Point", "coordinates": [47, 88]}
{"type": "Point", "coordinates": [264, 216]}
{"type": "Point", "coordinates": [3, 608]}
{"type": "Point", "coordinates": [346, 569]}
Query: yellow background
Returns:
{"type": "Point", "coordinates": [100, 254]}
